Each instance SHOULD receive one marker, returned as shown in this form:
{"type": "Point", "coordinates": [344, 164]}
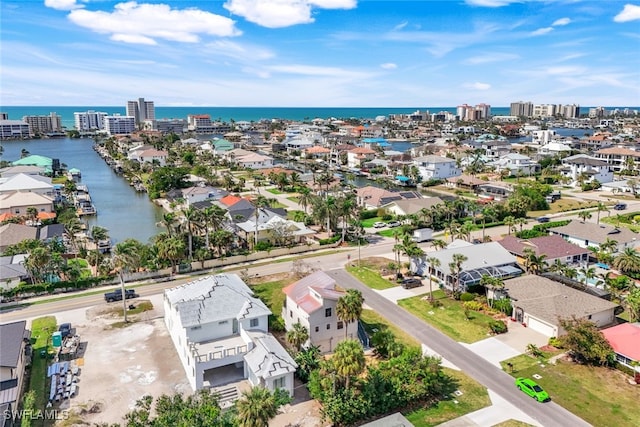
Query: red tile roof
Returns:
{"type": "Point", "coordinates": [625, 339]}
{"type": "Point", "coordinates": [230, 200]}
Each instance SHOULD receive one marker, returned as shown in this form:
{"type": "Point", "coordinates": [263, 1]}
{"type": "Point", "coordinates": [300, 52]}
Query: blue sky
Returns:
{"type": "Point", "coordinates": [323, 53]}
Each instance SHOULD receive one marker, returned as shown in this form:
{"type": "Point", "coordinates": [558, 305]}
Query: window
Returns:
{"type": "Point", "coordinates": [279, 382]}
{"type": "Point", "coordinates": [224, 322]}
{"type": "Point", "coordinates": [328, 326]}
{"type": "Point", "coordinates": [317, 328]}
{"type": "Point", "coordinates": [340, 325]}
{"type": "Point", "coordinates": [254, 323]}
{"type": "Point", "coordinates": [290, 313]}
{"type": "Point", "coordinates": [327, 312]}
{"type": "Point", "coordinates": [195, 328]}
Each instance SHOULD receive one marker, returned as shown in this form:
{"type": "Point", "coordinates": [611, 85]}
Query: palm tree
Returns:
{"type": "Point", "coordinates": [348, 360]}
{"type": "Point", "coordinates": [434, 263]}
{"type": "Point", "coordinates": [584, 215]}
{"type": "Point", "coordinates": [627, 261]}
{"type": "Point", "coordinates": [297, 335]}
{"type": "Point", "coordinates": [456, 268]}
{"type": "Point", "coordinates": [438, 244]}
{"type": "Point", "coordinates": [521, 222]}
{"type": "Point", "coordinates": [349, 308]}
{"type": "Point", "coordinates": [609, 245]}
{"type": "Point", "coordinates": [305, 197]}
{"type": "Point", "coordinates": [171, 249]}
{"type": "Point", "coordinates": [213, 218]}
{"type": "Point", "coordinates": [533, 262]}
{"type": "Point", "coordinates": [126, 258]}
{"type": "Point", "coordinates": [510, 222]}
{"type": "Point", "coordinates": [587, 274]}
{"type": "Point", "coordinates": [168, 222]}
{"type": "Point", "coordinates": [558, 266]}
{"type": "Point", "coordinates": [256, 407]}
{"type": "Point", "coordinates": [600, 208]}
{"type": "Point", "coordinates": [98, 234]}
{"type": "Point", "coordinates": [491, 283]}
{"type": "Point", "coordinates": [191, 218]}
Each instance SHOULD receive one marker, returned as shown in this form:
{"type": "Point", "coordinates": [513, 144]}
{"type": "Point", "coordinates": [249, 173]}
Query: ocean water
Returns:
{"type": "Point", "coordinates": [235, 113]}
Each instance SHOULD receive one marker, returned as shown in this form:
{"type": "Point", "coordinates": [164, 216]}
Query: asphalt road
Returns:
{"type": "Point", "coordinates": [548, 414]}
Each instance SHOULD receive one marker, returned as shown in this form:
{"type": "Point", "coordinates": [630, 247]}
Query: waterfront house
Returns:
{"type": "Point", "coordinates": [495, 190]}
{"type": "Point", "coordinates": [580, 169]}
{"type": "Point", "coordinates": [554, 149]}
{"type": "Point", "coordinates": [540, 303]}
{"type": "Point", "coordinates": [24, 183]}
{"type": "Point", "coordinates": [254, 161]}
{"type": "Point", "coordinates": [553, 247]}
{"type": "Point", "coordinates": [312, 302]}
{"type": "Point", "coordinates": [12, 171]}
{"type": "Point", "coordinates": [436, 167]}
{"type": "Point", "coordinates": [220, 331]}
{"type": "Point", "coordinates": [18, 203]}
{"type": "Point", "coordinates": [586, 234]}
{"type": "Point", "coordinates": [148, 155]}
{"type": "Point", "coordinates": [359, 155]}
{"type": "Point", "coordinates": [15, 355]}
{"type": "Point", "coordinates": [482, 259]}
{"type": "Point", "coordinates": [46, 163]}
{"type": "Point", "coordinates": [370, 197]}
{"type": "Point", "coordinates": [412, 206]}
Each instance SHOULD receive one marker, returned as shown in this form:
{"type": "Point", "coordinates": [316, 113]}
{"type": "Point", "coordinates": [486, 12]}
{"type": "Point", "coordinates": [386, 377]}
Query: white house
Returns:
{"type": "Point", "coordinates": [359, 155]}
{"type": "Point", "coordinates": [220, 329]}
{"type": "Point", "coordinates": [312, 302]}
{"type": "Point", "coordinates": [148, 155]}
{"type": "Point", "coordinates": [542, 137]}
{"type": "Point", "coordinates": [436, 167]}
{"type": "Point", "coordinates": [589, 234]}
{"type": "Point", "coordinates": [26, 183]}
{"type": "Point", "coordinates": [255, 161]}
{"type": "Point", "coordinates": [516, 164]}
{"type": "Point", "coordinates": [586, 169]}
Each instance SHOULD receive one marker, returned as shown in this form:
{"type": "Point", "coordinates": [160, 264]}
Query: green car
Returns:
{"type": "Point", "coordinates": [531, 388]}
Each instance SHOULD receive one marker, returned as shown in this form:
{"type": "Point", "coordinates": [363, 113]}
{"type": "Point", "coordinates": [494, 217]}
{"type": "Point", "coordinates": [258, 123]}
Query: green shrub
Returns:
{"type": "Point", "coordinates": [330, 240]}
{"type": "Point", "coordinates": [387, 217]}
{"type": "Point", "coordinates": [368, 214]}
{"type": "Point", "coordinates": [498, 327]}
{"type": "Point", "coordinates": [555, 342]}
{"type": "Point", "coordinates": [263, 246]}
{"type": "Point", "coordinates": [472, 305]}
{"type": "Point", "coordinates": [503, 305]}
{"type": "Point", "coordinates": [466, 296]}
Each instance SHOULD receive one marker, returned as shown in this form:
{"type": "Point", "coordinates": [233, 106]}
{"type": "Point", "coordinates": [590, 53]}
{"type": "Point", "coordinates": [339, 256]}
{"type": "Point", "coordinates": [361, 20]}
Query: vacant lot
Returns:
{"type": "Point", "coordinates": [122, 364]}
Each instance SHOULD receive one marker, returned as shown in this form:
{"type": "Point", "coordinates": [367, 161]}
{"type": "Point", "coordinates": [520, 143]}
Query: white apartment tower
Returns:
{"type": "Point", "coordinates": [141, 110]}
{"type": "Point", "coordinates": [89, 120]}
{"type": "Point", "coordinates": [120, 125]}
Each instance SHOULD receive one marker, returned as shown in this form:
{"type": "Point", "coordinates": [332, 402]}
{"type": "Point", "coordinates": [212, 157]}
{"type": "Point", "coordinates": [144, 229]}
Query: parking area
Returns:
{"type": "Point", "coordinates": [121, 365]}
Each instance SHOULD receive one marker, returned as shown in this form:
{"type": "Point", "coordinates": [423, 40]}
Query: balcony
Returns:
{"type": "Point", "coordinates": [218, 350]}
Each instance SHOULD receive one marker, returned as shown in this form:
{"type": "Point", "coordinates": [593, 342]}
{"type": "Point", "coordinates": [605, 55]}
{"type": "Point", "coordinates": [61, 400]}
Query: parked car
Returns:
{"type": "Point", "coordinates": [65, 330]}
{"type": "Point", "coordinates": [117, 295]}
{"type": "Point", "coordinates": [411, 282]}
{"type": "Point", "coordinates": [532, 389]}
{"type": "Point", "coordinates": [543, 219]}
{"type": "Point", "coordinates": [620, 206]}
{"type": "Point", "coordinates": [379, 224]}
{"type": "Point", "coordinates": [393, 224]}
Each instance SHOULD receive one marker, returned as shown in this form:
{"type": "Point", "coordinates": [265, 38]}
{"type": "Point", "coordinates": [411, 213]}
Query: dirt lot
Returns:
{"type": "Point", "coordinates": [122, 364]}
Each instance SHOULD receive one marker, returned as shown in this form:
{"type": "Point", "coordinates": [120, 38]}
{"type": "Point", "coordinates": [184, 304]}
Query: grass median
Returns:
{"type": "Point", "coordinates": [41, 330]}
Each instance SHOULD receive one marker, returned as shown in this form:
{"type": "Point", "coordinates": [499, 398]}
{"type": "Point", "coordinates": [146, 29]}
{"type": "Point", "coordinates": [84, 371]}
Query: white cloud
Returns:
{"type": "Point", "coordinates": [389, 66]}
{"type": "Point", "coordinates": [478, 86]}
{"type": "Point", "coordinates": [282, 13]}
{"type": "Point", "coordinates": [400, 26]}
{"type": "Point", "coordinates": [131, 22]}
{"type": "Point", "coordinates": [491, 3]}
{"type": "Point", "coordinates": [491, 57]}
{"type": "Point", "coordinates": [541, 31]}
{"type": "Point", "coordinates": [630, 12]}
{"type": "Point", "coordinates": [561, 22]}
{"type": "Point", "coordinates": [311, 70]}
{"type": "Point", "coordinates": [62, 4]}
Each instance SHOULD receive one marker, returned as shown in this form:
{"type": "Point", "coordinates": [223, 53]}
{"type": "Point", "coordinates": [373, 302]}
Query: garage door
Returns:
{"type": "Point", "coordinates": [542, 327]}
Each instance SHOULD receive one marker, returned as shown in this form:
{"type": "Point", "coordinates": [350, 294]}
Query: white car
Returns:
{"type": "Point", "coordinates": [394, 224]}
{"type": "Point", "coordinates": [379, 224]}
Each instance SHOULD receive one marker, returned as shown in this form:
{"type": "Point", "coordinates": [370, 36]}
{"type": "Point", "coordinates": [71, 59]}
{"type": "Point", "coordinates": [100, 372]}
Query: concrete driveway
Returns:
{"type": "Point", "coordinates": [492, 350]}
{"type": "Point", "coordinates": [519, 337]}
{"type": "Point", "coordinates": [398, 292]}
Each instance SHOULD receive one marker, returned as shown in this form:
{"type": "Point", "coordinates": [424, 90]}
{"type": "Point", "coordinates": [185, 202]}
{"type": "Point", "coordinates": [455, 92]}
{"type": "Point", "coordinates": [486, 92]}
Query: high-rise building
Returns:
{"type": "Point", "coordinates": [544, 110]}
{"type": "Point", "coordinates": [482, 111]}
{"type": "Point", "coordinates": [141, 110]}
{"type": "Point", "coordinates": [42, 125]}
{"type": "Point", "coordinates": [89, 120]}
{"type": "Point", "coordinates": [521, 109]}
{"type": "Point", "coordinates": [571, 111]}
{"type": "Point", "coordinates": [119, 125]}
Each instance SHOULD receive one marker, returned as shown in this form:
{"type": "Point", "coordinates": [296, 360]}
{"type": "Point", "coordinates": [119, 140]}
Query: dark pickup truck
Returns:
{"type": "Point", "coordinates": [117, 295]}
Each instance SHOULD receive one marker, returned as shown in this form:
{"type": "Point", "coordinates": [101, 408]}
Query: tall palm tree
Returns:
{"type": "Point", "coordinates": [533, 262]}
{"type": "Point", "coordinates": [349, 308]}
{"type": "Point", "coordinates": [171, 249]}
{"type": "Point", "coordinates": [434, 263]}
{"type": "Point", "coordinates": [584, 215]}
{"type": "Point", "coordinates": [510, 222]}
{"type": "Point", "coordinates": [297, 335]}
{"type": "Point", "coordinates": [627, 261]}
{"type": "Point", "coordinates": [98, 234]}
{"type": "Point", "coordinates": [587, 274]}
{"type": "Point", "coordinates": [125, 258]}
{"type": "Point", "coordinates": [348, 360]}
{"type": "Point", "coordinates": [256, 407]}
{"type": "Point", "coordinates": [520, 222]}
{"type": "Point", "coordinates": [456, 268]}
{"type": "Point", "coordinates": [438, 244]}
{"type": "Point", "coordinates": [600, 208]}
{"type": "Point", "coordinates": [213, 218]}
{"type": "Point", "coordinates": [305, 197]}
{"type": "Point", "coordinates": [168, 222]}
{"type": "Point", "coordinates": [191, 218]}
{"type": "Point", "coordinates": [609, 245]}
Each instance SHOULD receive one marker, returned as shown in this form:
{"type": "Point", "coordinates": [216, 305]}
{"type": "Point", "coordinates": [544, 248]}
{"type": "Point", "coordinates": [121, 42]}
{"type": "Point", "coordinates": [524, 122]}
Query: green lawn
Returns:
{"type": "Point", "coordinates": [274, 191]}
{"type": "Point", "coordinates": [271, 294]}
{"type": "Point", "coordinates": [294, 199]}
{"type": "Point", "coordinates": [601, 396]}
{"type": "Point", "coordinates": [449, 318]}
{"type": "Point", "coordinates": [368, 223]}
{"type": "Point", "coordinates": [386, 233]}
{"type": "Point", "coordinates": [370, 278]}
{"type": "Point", "coordinates": [564, 205]}
{"type": "Point", "coordinates": [474, 396]}
{"type": "Point", "coordinates": [41, 330]}
{"type": "Point", "coordinates": [373, 322]}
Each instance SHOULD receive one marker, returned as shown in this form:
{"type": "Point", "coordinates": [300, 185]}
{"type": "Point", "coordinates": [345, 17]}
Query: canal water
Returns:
{"type": "Point", "coordinates": [121, 210]}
